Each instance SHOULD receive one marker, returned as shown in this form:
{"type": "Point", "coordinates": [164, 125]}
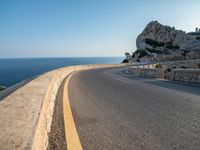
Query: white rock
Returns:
{"type": "Point", "coordinates": [161, 33]}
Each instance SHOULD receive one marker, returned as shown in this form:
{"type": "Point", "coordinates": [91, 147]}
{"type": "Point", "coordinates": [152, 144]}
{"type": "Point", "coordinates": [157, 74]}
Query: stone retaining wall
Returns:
{"type": "Point", "coordinates": [148, 72]}
{"type": "Point", "coordinates": [189, 64]}
{"type": "Point", "coordinates": [184, 75]}
{"type": "Point", "coordinates": [26, 114]}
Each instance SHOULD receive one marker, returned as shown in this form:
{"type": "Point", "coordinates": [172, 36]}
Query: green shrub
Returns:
{"type": "Point", "coordinates": [152, 50]}
{"type": "Point", "coordinates": [198, 37]}
{"type": "Point", "coordinates": [185, 52]}
{"type": "Point", "coordinates": [158, 66]}
{"type": "Point", "coordinates": [154, 43]}
{"type": "Point", "coordinates": [125, 61]}
{"type": "Point", "coordinates": [171, 46]}
{"type": "Point", "coordinates": [169, 43]}
{"type": "Point", "coordinates": [176, 47]}
{"type": "Point", "coordinates": [166, 51]}
{"type": "Point", "coordinates": [138, 60]}
{"type": "Point", "coordinates": [142, 53]}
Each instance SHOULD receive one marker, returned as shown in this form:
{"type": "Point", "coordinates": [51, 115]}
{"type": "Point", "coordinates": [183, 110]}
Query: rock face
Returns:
{"type": "Point", "coordinates": [2, 88]}
{"type": "Point", "coordinates": [157, 36]}
{"type": "Point", "coordinates": [164, 43]}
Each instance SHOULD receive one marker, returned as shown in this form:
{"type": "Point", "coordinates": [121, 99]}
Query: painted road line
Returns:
{"type": "Point", "coordinates": [71, 134]}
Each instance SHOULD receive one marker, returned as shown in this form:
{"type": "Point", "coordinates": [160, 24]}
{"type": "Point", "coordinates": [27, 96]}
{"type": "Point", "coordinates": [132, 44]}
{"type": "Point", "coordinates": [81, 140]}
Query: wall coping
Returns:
{"type": "Point", "coordinates": [187, 70]}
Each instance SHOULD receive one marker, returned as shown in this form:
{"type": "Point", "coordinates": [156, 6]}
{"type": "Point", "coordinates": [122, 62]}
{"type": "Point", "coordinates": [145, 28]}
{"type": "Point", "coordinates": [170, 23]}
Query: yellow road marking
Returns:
{"type": "Point", "coordinates": [71, 134]}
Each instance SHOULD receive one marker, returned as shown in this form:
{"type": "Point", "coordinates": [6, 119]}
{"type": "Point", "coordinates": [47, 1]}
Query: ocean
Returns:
{"type": "Point", "coordinates": [15, 70]}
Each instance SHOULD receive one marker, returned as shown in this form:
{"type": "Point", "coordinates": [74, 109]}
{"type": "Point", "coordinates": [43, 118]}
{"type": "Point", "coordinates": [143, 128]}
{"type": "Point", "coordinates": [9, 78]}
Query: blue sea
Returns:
{"type": "Point", "coordinates": [13, 70]}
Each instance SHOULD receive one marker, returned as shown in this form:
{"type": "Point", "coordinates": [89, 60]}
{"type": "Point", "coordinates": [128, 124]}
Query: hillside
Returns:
{"type": "Point", "coordinates": [159, 42]}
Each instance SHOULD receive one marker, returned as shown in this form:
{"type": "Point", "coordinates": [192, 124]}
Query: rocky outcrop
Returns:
{"type": "Point", "coordinates": [164, 43]}
{"type": "Point", "coordinates": [158, 36]}
{"type": "Point", "coordinates": [2, 88]}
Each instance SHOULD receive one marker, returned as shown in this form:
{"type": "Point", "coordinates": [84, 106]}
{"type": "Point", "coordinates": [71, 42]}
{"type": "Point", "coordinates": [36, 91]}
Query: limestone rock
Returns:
{"type": "Point", "coordinates": [158, 36]}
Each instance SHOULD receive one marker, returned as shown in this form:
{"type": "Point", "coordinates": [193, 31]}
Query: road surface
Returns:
{"type": "Point", "coordinates": [114, 110]}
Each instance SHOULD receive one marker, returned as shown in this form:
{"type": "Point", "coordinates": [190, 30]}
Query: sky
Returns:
{"type": "Point", "coordinates": [85, 28]}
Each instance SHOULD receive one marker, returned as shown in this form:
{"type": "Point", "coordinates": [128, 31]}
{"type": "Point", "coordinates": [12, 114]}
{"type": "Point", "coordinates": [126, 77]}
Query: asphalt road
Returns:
{"type": "Point", "coordinates": [114, 110]}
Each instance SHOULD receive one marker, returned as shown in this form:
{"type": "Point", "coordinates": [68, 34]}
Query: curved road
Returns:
{"type": "Point", "coordinates": [115, 110]}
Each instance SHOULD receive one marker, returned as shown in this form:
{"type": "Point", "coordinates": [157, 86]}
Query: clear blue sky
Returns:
{"type": "Point", "coordinates": [56, 28]}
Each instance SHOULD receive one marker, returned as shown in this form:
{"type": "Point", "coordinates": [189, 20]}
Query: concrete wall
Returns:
{"type": "Point", "coordinates": [184, 75]}
{"type": "Point", "coordinates": [192, 64]}
{"type": "Point", "coordinates": [26, 114]}
{"type": "Point", "coordinates": [172, 70]}
{"type": "Point", "coordinates": [148, 72]}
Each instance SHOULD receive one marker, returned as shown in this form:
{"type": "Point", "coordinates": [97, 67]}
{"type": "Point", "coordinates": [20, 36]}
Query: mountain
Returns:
{"type": "Point", "coordinates": [162, 43]}
{"type": "Point", "coordinates": [158, 36]}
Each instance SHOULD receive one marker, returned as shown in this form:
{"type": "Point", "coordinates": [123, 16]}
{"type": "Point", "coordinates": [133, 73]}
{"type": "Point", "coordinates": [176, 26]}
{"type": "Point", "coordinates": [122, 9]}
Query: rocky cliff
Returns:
{"type": "Point", "coordinates": [164, 43]}
{"type": "Point", "coordinates": [158, 36]}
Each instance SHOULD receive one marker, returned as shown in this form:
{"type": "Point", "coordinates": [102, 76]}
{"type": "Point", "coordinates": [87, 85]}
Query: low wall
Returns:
{"type": "Point", "coordinates": [184, 75]}
{"type": "Point", "coordinates": [26, 114]}
{"type": "Point", "coordinates": [149, 72]}
{"type": "Point", "coordinates": [189, 64]}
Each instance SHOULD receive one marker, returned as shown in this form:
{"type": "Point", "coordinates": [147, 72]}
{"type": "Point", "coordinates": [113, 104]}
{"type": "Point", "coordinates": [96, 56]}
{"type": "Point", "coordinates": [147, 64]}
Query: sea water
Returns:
{"type": "Point", "coordinates": [15, 70]}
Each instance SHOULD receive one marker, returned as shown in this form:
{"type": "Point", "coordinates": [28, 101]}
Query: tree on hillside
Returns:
{"type": "Point", "coordinates": [128, 56]}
